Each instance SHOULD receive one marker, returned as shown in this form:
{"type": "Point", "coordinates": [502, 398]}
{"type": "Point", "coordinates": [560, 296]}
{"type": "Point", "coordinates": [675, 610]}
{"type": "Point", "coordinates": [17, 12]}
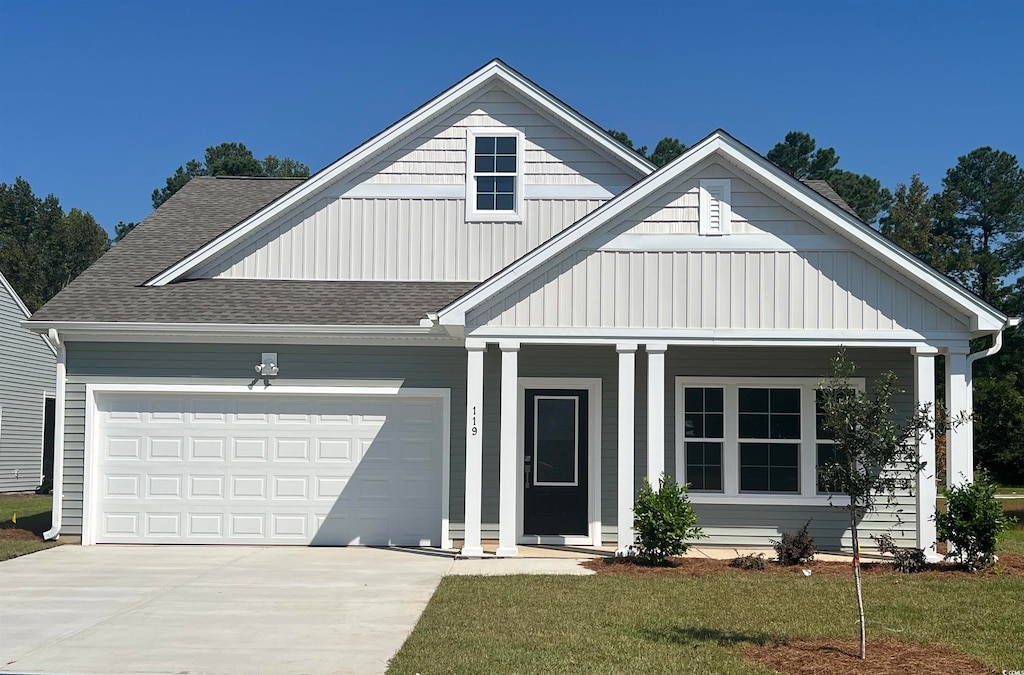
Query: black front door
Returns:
{"type": "Point", "coordinates": [555, 462]}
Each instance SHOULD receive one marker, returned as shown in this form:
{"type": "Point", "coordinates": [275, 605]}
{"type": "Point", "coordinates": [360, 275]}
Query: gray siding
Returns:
{"type": "Point", "coordinates": [446, 367]}
{"type": "Point", "coordinates": [427, 367]}
{"type": "Point", "coordinates": [29, 372]}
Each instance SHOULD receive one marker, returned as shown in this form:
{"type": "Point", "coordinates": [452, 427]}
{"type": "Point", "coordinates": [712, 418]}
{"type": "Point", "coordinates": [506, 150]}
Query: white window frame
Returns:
{"type": "Point", "coordinates": [576, 449]}
{"type": "Point", "coordinates": [808, 458]}
{"type": "Point", "coordinates": [473, 215]}
{"type": "Point", "coordinates": [715, 191]}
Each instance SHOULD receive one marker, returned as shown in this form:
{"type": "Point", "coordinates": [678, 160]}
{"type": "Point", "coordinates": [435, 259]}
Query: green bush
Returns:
{"type": "Point", "coordinates": [795, 549]}
{"type": "Point", "coordinates": [663, 522]}
{"type": "Point", "coordinates": [906, 560]}
{"type": "Point", "coordinates": [973, 523]}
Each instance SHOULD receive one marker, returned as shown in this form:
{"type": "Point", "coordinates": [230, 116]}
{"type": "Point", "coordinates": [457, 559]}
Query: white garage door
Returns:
{"type": "Point", "coordinates": [268, 469]}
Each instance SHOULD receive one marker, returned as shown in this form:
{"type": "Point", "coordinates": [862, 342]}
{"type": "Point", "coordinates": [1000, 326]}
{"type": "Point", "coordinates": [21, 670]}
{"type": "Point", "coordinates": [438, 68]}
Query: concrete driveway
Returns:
{"type": "Point", "coordinates": [211, 609]}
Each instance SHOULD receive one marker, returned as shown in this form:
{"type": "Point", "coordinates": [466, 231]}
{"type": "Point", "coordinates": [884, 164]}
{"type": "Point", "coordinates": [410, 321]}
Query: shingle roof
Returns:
{"type": "Point", "coordinates": [825, 190]}
{"type": "Point", "coordinates": [111, 290]}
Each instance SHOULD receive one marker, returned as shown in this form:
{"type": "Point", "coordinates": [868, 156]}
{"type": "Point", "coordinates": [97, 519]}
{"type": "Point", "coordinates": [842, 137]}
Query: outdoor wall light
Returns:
{"type": "Point", "coordinates": [268, 368]}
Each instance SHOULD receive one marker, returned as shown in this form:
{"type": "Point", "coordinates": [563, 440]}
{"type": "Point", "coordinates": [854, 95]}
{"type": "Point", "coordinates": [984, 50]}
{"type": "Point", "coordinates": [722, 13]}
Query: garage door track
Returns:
{"type": "Point", "coordinates": [211, 609]}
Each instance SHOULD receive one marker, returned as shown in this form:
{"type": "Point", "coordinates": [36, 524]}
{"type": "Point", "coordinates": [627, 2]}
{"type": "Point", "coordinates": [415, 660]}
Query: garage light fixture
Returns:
{"type": "Point", "coordinates": [268, 368]}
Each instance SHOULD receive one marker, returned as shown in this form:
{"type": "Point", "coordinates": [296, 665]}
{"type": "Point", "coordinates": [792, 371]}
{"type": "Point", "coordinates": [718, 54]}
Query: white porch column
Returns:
{"type": "Point", "coordinates": [655, 411]}
{"type": "Point", "coordinates": [508, 464]}
{"type": "Point", "coordinates": [959, 454]}
{"type": "Point", "coordinates": [627, 387]}
{"type": "Point", "coordinates": [924, 395]}
{"type": "Point", "coordinates": [474, 445]}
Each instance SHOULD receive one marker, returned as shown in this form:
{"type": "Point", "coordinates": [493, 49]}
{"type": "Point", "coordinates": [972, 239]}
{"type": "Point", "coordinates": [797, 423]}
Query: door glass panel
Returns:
{"type": "Point", "coordinates": [556, 440]}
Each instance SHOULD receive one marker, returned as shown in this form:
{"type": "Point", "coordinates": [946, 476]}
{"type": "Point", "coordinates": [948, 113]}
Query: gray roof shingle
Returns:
{"type": "Point", "coordinates": [112, 291]}
{"type": "Point", "coordinates": [825, 190]}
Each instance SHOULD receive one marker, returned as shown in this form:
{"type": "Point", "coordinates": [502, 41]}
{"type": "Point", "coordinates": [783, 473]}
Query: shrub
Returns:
{"type": "Point", "coordinates": [663, 521]}
{"type": "Point", "coordinates": [972, 524]}
{"type": "Point", "coordinates": [906, 560]}
{"type": "Point", "coordinates": [795, 549]}
{"type": "Point", "coordinates": [749, 562]}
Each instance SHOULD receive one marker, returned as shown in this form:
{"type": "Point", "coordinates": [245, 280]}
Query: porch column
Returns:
{"type": "Point", "coordinates": [959, 453]}
{"type": "Point", "coordinates": [655, 411]}
{"type": "Point", "coordinates": [924, 395]}
{"type": "Point", "coordinates": [627, 387]}
{"type": "Point", "coordinates": [474, 445]}
{"type": "Point", "coordinates": [508, 466]}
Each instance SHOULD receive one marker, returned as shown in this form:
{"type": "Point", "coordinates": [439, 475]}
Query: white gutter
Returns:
{"type": "Point", "coordinates": [58, 436]}
{"type": "Point", "coordinates": [997, 344]}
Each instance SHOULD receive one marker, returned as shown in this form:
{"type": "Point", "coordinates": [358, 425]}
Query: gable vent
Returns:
{"type": "Point", "coordinates": [715, 211]}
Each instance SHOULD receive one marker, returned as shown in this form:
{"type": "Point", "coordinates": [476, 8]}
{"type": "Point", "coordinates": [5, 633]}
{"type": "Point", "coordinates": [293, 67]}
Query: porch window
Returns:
{"type": "Point", "coordinates": [751, 439]}
{"type": "Point", "coordinates": [704, 427]}
{"type": "Point", "coordinates": [494, 174]}
{"type": "Point", "coordinates": [825, 446]}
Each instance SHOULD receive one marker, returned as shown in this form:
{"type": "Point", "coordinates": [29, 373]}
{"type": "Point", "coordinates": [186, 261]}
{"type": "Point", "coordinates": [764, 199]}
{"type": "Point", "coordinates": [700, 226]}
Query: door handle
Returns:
{"type": "Point", "coordinates": [526, 472]}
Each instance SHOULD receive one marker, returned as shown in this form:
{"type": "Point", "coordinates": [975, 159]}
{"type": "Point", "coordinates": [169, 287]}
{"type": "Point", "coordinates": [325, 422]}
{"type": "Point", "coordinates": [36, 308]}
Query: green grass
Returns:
{"type": "Point", "coordinates": [667, 624]}
{"type": "Point", "coordinates": [33, 514]}
{"type": "Point", "coordinates": [649, 624]}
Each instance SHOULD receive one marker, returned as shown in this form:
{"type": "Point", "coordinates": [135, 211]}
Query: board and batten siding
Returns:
{"type": "Point", "coordinates": [418, 230]}
{"type": "Point", "coordinates": [394, 239]}
{"type": "Point", "coordinates": [775, 271]}
{"type": "Point", "coordinates": [29, 370]}
{"type": "Point", "coordinates": [232, 364]}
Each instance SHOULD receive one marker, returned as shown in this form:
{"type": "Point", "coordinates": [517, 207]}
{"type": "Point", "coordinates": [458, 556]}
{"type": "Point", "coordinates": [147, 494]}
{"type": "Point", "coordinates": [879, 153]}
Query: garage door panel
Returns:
{"type": "Point", "coordinates": [280, 469]}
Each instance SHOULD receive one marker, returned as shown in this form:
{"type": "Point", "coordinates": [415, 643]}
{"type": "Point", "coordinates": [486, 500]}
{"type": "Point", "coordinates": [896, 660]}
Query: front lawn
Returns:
{"type": "Point", "coordinates": [1013, 540]}
{"type": "Point", "coordinates": [33, 518]}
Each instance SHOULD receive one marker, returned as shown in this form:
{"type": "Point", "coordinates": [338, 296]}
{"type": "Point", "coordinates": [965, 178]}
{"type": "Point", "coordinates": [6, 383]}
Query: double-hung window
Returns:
{"type": "Point", "coordinates": [751, 439]}
{"type": "Point", "coordinates": [494, 174]}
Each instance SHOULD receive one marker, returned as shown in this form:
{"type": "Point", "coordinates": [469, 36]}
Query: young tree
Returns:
{"type": "Point", "coordinates": [875, 455]}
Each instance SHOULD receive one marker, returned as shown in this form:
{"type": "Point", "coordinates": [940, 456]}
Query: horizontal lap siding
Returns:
{"type": "Point", "coordinates": [415, 367]}
{"type": "Point", "coordinates": [29, 372]}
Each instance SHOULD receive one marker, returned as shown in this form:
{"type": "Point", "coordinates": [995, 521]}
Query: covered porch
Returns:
{"type": "Point", "coordinates": [625, 416]}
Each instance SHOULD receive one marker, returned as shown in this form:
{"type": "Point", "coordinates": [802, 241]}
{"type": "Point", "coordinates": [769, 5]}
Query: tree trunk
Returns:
{"type": "Point", "coordinates": [857, 581]}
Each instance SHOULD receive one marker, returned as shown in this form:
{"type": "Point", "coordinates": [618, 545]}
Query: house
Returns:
{"type": "Point", "coordinates": [27, 390]}
{"type": "Point", "coordinates": [488, 322]}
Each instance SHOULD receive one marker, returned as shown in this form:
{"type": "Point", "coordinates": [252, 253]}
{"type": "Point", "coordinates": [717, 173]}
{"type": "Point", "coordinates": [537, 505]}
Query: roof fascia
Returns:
{"type": "Point", "coordinates": [984, 318]}
{"type": "Point", "coordinates": [494, 70]}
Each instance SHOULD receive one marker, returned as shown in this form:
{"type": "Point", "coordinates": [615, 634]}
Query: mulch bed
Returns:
{"type": "Point", "coordinates": [16, 534]}
{"type": "Point", "coordinates": [1011, 564]}
{"type": "Point", "coordinates": [884, 657]}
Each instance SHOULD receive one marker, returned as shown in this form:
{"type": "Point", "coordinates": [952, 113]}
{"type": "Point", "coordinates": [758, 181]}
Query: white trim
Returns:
{"type": "Point", "coordinates": [986, 318]}
{"type": "Point", "coordinates": [474, 448]}
{"type": "Point", "coordinates": [715, 192]}
{"type": "Point", "coordinates": [655, 411]}
{"type": "Point", "coordinates": [474, 215]}
{"type": "Point", "coordinates": [959, 459]}
{"type": "Point", "coordinates": [510, 460]}
{"type": "Point", "coordinates": [576, 448]}
{"type": "Point", "coordinates": [720, 336]}
{"type": "Point", "coordinates": [735, 242]}
{"type": "Point", "coordinates": [494, 71]}
{"type": "Point", "coordinates": [927, 490]}
{"type": "Point", "coordinates": [360, 388]}
{"type": "Point", "coordinates": [807, 494]}
{"type": "Point", "coordinates": [57, 517]}
{"type": "Point", "coordinates": [449, 191]}
{"type": "Point", "coordinates": [626, 479]}
{"type": "Point", "coordinates": [592, 385]}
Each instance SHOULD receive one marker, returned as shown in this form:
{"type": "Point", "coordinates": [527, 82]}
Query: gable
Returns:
{"type": "Point", "coordinates": [764, 224]}
{"type": "Point", "coordinates": [568, 163]}
{"type": "Point", "coordinates": [778, 269]}
{"type": "Point", "coordinates": [26, 356]}
{"type": "Point", "coordinates": [404, 217]}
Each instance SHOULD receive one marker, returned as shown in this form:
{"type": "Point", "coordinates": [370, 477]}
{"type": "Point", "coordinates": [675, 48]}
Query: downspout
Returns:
{"type": "Point", "coordinates": [58, 435]}
{"type": "Point", "coordinates": [997, 344]}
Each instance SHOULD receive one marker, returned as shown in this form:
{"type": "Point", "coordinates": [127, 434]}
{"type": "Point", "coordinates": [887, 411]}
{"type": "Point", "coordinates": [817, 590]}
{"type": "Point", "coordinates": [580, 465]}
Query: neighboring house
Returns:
{"type": "Point", "coordinates": [489, 321]}
{"type": "Point", "coordinates": [28, 368]}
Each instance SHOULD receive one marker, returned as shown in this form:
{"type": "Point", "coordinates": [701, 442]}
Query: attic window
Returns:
{"type": "Point", "coordinates": [715, 209]}
{"type": "Point", "coordinates": [494, 174]}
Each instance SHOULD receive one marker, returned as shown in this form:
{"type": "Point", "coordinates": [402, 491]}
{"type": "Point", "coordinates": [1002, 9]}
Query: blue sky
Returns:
{"type": "Point", "coordinates": [101, 101]}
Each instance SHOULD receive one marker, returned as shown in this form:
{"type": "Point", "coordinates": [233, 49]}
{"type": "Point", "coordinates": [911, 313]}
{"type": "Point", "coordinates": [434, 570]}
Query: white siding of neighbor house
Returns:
{"type": "Point", "coordinates": [417, 230]}
{"type": "Point", "coordinates": [777, 271]}
{"type": "Point", "coordinates": [29, 373]}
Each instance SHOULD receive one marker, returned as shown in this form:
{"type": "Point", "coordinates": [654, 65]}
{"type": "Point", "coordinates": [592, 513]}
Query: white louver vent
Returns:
{"type": "Point", "coordinates": [715, 212]}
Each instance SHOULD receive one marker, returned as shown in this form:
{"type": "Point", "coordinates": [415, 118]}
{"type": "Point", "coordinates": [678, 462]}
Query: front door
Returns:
{"type": "Point", "coordinates": [555, 463]}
